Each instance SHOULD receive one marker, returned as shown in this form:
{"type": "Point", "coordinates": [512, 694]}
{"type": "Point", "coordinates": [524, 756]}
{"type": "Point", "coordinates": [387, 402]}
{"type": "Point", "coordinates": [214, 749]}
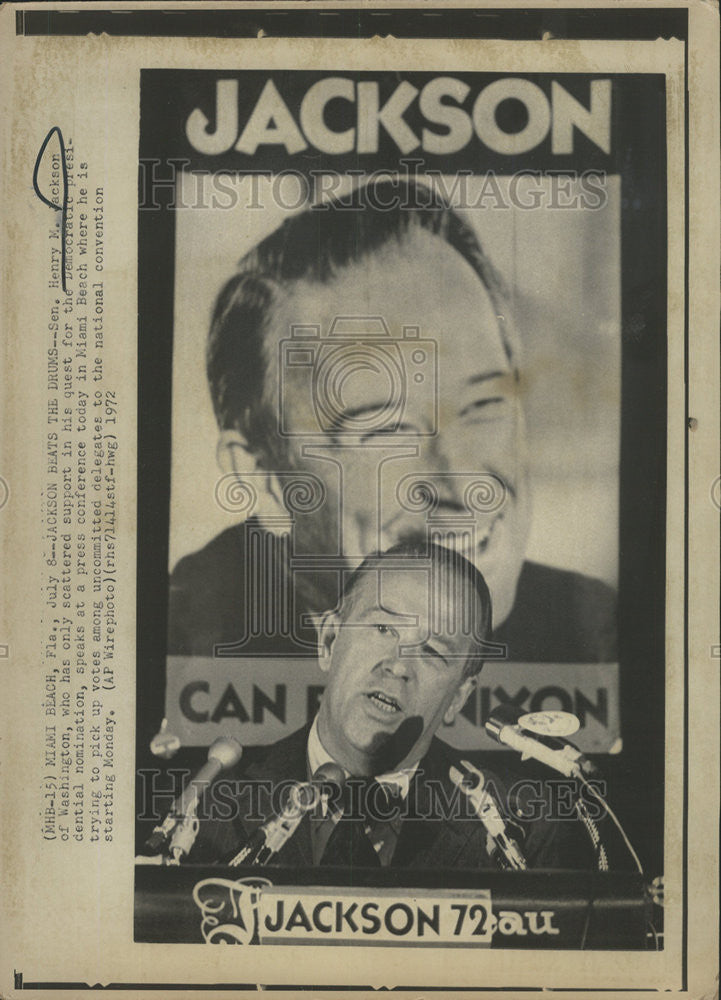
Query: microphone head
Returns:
{"type": "Point", "coordinates": [505, 714]}
{"type": "Point", "coordinates": [470, 779]}
{"type": "Point", "coordinates": [226, 751]}
{"type": "Point", "coordinates": [502, 715]}
{"type": "Point", "coordinates": [303, 796]}
{"type": "Point", "coordinates": [330, 774]}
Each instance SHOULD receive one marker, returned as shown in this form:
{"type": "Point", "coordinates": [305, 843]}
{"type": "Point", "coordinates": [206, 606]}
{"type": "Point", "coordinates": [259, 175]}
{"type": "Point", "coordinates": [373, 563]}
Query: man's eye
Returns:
{"type": "Point", "coordinates": [390, 429]}
{"type": "Point", "coordinates": [385, 629]}
{"type": "Point", "coordinates": [434, 654]}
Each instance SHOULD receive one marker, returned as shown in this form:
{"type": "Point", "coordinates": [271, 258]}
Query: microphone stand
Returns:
{"type": "Point", "coordinates": [184, 830]}
{"type": "Point", "coordinates": [272, 836]}
{"type": "Point", "coordinates": [266, 842]}
{"type": "Point", "coordinates": [184, 835]}
{"type": "Point", "coordinates": [181, 824]}
{"type": "Point", "coordinates": [506, 854]}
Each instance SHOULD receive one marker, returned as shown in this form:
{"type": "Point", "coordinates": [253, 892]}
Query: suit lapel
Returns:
{"type": "Point", "coordinates": [437, 836]}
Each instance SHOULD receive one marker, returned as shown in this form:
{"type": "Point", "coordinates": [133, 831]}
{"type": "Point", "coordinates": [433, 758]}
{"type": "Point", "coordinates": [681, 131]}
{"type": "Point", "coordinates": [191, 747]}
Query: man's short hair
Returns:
{"type": "Point", "coordinates": [443, 564]}
{"type": "Point", "coordinates": [315, 246]}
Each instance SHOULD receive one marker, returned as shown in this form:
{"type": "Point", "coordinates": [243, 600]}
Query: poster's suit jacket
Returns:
{"type": "Point", "coordinates": [558, 616]}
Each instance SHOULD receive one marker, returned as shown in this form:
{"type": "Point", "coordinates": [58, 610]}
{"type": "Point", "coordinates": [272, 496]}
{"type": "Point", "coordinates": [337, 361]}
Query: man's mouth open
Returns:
{"type": "Point", "coordinates": [469, 542]}
{"type": "Point", "coordinates": [384, 702]}
{"type": "Point", "coordinates": [483, 542]}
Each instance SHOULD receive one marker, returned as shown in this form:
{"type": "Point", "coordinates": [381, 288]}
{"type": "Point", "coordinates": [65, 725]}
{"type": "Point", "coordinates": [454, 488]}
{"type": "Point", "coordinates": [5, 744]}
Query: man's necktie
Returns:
{"type": "Point", "coordinates": [367, 832]}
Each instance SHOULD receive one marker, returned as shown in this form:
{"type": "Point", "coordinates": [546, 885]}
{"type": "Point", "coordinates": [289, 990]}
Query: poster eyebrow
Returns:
{"type": "Point", "coordinates": [485, 377]}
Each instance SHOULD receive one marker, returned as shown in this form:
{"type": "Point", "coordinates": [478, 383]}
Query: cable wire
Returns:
{"type": "Point", "coordinates": [615, 819]}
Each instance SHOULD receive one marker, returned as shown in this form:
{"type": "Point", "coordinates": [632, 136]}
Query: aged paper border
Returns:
{"type": "Point", "coordinates": [42, 73]}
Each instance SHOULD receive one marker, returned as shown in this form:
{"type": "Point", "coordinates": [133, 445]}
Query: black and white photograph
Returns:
{"type": "Point", "coordinates": [410, 333]}
{"type": "Point", "coordinates": [359, 499]}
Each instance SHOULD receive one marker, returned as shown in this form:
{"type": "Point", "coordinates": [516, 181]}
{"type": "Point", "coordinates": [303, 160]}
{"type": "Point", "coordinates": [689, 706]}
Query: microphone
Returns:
{"type": "Point", "coordinates": [559, 754]}
{"type": "Point", "coordinates": [271, 837]}
{"type": "Point", "coordinates": [330, 779]}
{"type": "Point", "coordinates": [507, 853]}
{"type": "Point", "coordinates": [223, 753]}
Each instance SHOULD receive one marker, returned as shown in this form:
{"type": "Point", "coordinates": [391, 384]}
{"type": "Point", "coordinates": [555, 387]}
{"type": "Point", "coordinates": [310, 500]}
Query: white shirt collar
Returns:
{"type": "Point", "coordinates": [400, 781]}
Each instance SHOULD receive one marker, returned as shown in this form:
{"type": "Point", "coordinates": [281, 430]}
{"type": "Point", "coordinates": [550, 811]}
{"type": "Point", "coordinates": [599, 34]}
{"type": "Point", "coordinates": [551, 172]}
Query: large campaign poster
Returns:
{"type": "Point", "coordinates": [528, 432]}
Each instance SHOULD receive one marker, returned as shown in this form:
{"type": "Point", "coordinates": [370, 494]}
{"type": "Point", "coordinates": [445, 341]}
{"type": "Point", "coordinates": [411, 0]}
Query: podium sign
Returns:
{"type": "Point", "coordinates": [254, 905]}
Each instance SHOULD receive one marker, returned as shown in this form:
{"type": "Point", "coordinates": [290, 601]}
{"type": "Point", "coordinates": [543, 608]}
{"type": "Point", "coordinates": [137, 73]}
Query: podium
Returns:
{"type": "Point", "coordinates": [385, 906]}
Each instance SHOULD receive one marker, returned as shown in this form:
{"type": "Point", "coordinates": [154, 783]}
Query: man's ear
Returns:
{"type": "Point", "coordinates": [236, 459]}
{"type": "Point", "coordinates": [234, 455]}
{"type": "Point", "coordinates": [327, 634]}
{"type": "Point", "coordinates": [461, 696]}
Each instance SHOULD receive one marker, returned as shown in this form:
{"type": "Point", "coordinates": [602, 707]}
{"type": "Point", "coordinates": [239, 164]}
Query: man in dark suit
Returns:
{"type": "Point", "coordinates": [401, 654]}
{"type": "Point", "coordinates": [365, 378]}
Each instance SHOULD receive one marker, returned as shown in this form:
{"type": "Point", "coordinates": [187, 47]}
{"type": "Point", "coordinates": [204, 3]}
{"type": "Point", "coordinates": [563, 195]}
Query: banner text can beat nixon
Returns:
{"type": "Point", "coordinates": [457, 116]}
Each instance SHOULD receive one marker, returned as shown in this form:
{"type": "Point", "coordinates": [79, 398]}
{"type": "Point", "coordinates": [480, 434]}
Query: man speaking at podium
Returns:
{"type": "Point", "coordinates": [402, 654]}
